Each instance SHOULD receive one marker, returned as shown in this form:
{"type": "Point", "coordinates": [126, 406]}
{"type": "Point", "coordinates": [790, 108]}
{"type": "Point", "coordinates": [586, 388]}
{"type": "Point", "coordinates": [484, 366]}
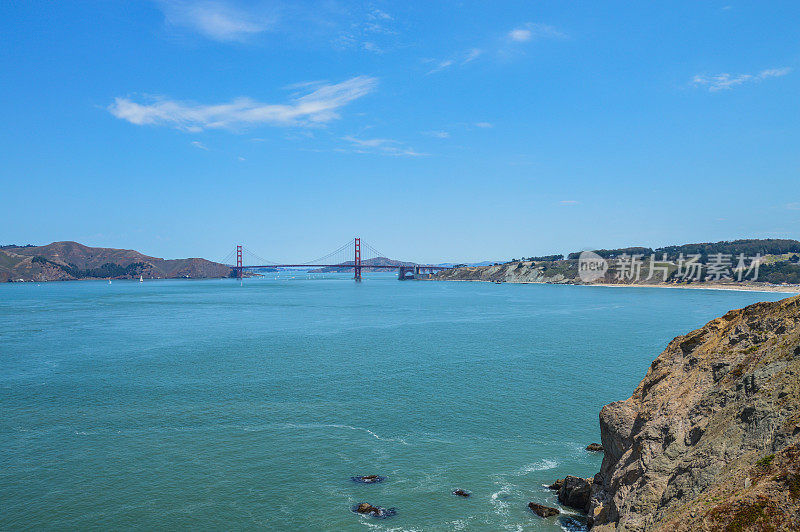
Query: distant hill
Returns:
{"type": "Point", "coordinates": [61, 261]}
{"type": "Point", "coordinates": [365, 265]}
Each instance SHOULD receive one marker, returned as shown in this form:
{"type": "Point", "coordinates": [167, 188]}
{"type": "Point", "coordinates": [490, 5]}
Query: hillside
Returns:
{"type": "Point", "coordinates": [710, 439]}
{"type": "Point", "coordinates": [61, 261]}
{"type": "Point", "coordinates": [736, 263]}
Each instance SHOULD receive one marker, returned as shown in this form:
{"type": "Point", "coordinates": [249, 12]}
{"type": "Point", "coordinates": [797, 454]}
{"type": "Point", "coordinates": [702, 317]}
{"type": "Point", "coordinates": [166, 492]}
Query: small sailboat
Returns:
{"type": "Point", "coordinates": [109, 281]}
{"type": "Point", "coordinates": [140, 279]}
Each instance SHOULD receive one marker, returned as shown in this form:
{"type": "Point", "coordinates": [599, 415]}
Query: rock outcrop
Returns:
{"type": "Point", "coordinates": [366, 508]}
{"type": "Point", "coordinates": [575, 492]}
{"type": "Point", "coordinates": [710, 439]}
{"type": "Point", "coordinates": [543, 511]}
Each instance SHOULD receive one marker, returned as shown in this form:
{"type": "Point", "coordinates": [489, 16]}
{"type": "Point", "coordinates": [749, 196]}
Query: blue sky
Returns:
{"type": "Point", "coordinates": [436, 131]}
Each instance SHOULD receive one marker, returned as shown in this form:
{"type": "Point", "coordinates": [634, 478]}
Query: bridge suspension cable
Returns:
{"type": "Point", "coordinates": [375, 252]}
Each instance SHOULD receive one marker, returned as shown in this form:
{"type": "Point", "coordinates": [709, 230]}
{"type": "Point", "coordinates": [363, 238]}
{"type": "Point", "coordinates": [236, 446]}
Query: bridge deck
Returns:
{"type": "Point", "coordinates": [363, 266]}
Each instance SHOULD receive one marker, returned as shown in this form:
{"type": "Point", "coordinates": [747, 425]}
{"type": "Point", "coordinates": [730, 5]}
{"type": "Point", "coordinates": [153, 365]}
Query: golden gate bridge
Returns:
{"type": "Point", "coordinates": [349, 256]}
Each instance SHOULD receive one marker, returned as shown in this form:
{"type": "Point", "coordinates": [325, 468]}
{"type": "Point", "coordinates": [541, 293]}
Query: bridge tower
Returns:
{"type": "Point", "coordinates": [239, 269]}
{"type": "Point", "coordinates": [357, 261]}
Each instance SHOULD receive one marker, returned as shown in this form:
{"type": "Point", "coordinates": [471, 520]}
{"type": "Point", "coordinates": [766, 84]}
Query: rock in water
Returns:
{"type": "Point", "coordinates": [542, 510]}
{"type": "Point", "coordinates": [461, 493]}
{"type": "Point", "coordinates": [710, 439]}
{"type": "Point", "coordinates": [368, 479]}
{"type": "Point", "coordinates": [575, 492]}
{"type": "Point", "coordinates": [555, 486]}
{"type": "Point", "coordinates": [594, 447]}
{"type": "Point", "coordinates": [366, 508]}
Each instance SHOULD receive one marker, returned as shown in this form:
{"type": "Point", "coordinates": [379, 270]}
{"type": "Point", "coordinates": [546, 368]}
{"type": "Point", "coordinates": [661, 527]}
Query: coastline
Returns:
{"type": "Point", "coordinates": [792, 289]}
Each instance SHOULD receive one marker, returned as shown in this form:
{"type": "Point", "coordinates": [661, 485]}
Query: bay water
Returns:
{"type": "Point", "coordinates": [181, 404]}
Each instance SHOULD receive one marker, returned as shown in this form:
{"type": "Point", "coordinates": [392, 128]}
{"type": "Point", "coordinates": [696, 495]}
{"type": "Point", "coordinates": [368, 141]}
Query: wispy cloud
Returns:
{"type": "Point", "coordinates": [520, 35]}
{"type": "Point", "coordinates": [199, 145]}
{"type": "Point", "coordinates": [441, 65]}
{"type": "Point", "coordinates": [794, 206]}
{"type": "Point", "coordinates": [485, 125]}
{"type": "Point", "coordinates": [380, 146]}
{"type": "Point", "coordinates": [472, 55]}
{"type": "Point", "coordinates": [459, 59]}
{"type": "Point", "coordinates": [366, 30]}
{"type": "Point", "coordinates": [569, 202]}
{"type": "Point", "coordinates": [217, 19]}
{"type": "Point", "coordinates": [437, 134]}
{"type": "Point", "coordinates": [727, 81]}
{"type": "Point", "coordinates": [530, 31]}
{"type": "Point", "coordinates": [315, 108]}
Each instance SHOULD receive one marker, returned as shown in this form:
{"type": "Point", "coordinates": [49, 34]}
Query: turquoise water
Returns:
{"type": "Point", "coordinates": [205, 404]}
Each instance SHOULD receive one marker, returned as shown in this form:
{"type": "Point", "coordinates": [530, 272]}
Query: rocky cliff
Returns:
{"type": "Point", "coordinates": [710, 439]}
{"type": "Point", "coordinates": [515, 272]}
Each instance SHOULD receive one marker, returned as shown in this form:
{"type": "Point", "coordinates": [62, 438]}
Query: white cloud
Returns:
{"type": "Point", "coordinates": [380, 146]}
{"type": "Point", "coordinates": [569, 202]}
{"type": "Point", "coordinates": [438, 134]}
{"type": "Point", "coordinates": [315, 108]}
{"type": "Point", "coordinates": [199, 145]}
{"type": "Point", "coordinates": [520, 35]}
{"type": "Point", "coordinates": [441, 65]}
{"type": "Point", "coordinates": [727, 81]}
{"type": "Point", "coordinates": [460, 59]}
{"type": "Point", "coordinates": [794, 206]}
{"type": "Point", "coordinates": [531, 31]}
{"type": "Point", "coordinates": [484, 125]}
{"type": "Point", "coordinates": [217, 19]}
{"type": "Point", "coordinates": [472, 55]}
{"type": "Point", "coordinates": [377, 14]}
{"type": "Point", "coordinates": [371, 30]}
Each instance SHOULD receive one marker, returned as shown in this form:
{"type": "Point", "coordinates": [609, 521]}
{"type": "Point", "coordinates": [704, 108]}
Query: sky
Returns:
{"type": "Point", "coordinates": [435, 131]}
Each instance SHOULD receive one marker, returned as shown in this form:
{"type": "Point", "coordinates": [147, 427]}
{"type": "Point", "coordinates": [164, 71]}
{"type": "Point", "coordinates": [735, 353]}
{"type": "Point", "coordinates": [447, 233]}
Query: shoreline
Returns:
{"type": "Point", "coordinates": [792, 289]}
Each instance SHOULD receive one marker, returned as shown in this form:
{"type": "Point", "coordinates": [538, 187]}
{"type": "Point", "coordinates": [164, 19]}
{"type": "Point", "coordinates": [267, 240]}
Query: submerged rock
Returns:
{"type": "Point", "coordinates": [594, 447]}
{"type": "Point", "coordinates": [366, 508]}
{"type": "Point", "coordinates": [368, 479]}
{"type": "Point", "coordinates": [542, 510]}
{"type": "Point", "coordinates": [461, 493]}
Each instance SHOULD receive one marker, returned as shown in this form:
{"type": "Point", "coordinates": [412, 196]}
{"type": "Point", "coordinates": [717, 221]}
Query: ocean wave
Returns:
{"type": "Point", "coordinates": [347, 427]}
{"type": "Point", "coordinates": [499, 499]}
{"type": "Point", "coordinates": [541, 465]}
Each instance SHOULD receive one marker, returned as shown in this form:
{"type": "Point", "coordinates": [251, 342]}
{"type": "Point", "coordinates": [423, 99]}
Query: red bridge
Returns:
{"type": "Point", "coordinates": [346, 257]}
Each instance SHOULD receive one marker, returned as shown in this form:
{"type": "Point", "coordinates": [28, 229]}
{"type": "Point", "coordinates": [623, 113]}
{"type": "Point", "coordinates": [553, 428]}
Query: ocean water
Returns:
{"type": "Point", "coordinates": [209, 405]}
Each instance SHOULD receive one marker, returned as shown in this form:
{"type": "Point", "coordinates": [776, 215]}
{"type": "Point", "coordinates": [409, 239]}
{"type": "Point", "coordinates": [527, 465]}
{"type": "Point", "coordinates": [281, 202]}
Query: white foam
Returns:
{"type": "Point", "coordinates": [500, 506]}
{"type": "Point", "coordinates": [348, 427]}
{"type": "Point", "coordinates": [542, 465]}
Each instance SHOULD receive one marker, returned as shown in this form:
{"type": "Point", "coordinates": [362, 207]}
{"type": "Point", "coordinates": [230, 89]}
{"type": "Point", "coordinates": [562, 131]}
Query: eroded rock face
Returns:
{"type": "Point", "coordinates": [575, 492]}
{"type": "Point", "coordinates": [683, 452]}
